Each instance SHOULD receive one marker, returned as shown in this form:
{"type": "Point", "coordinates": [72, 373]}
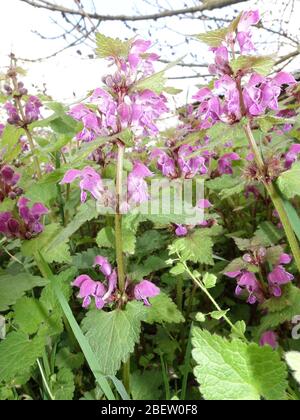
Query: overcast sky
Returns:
{"type": "Point", "coordinates": [68, 73]}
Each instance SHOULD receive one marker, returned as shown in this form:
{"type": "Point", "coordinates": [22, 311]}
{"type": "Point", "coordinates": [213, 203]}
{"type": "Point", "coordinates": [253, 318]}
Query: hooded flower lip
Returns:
{"type": "Point", "coordinates": [145, 290]}
{"type": "Point", "coordinates": [269, 338]}
{"type": "Point", "coordinates": [90, 181]}
{"type": "Point", "coordinates": [137, 187]}
{"type": "Point", "coordinates": [104, 265]}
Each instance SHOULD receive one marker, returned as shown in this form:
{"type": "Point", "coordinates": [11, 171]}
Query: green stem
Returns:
{"type": "Point", "coordinates": [118, 220]}
{"type": "Point", "coordinates": [25, 127]}
{"type": "Point", "coordinates": [276, 198]}
{"type": "Point", "coordinates": [126, 375]}
{"type": "Point", "coordinates": [216, 305]}
{"type": "Point", "coordinates": [289, 231]}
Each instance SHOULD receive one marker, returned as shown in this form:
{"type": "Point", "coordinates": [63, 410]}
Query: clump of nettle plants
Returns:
{"type": "Point", "coordinates": [109, 288]}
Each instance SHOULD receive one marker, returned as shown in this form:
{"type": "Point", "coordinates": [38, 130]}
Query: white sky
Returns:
{"type": "Point", "coordinates": [68, 73]}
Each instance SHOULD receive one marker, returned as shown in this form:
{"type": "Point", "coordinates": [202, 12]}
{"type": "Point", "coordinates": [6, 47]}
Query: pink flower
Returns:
{"type": "Point", "coordinates": [90, 181]}
{"type": "Point", "coordinates": [221, 65]}
{"type": "Point", "coordinates": [292, 155]}
{"type": "Point", "coordinates": [247, 282]}
{"type": "Point", "coordinates": [164, 163]}
{"type": "Point", "coordinates": [105, 294]}
{"type": "Point", "coordinates": [32, 109]}
{"type": "Point", "coordinates": [181, 230]}
{"type": "Point", "coordinates": [89, 289]}
{"type": "Point", "coordinates": [32, 216]}
{"type": "Point", "coordinates": [244, 36]}
{"type": "Point", "coordinates": [144, 290]}
{"type": "Point", "coordinates": [269, 338]}
{"type": "Point", "coordinates": [225, 163]}
{"type": "Point", "coordinates": [9, 226]}
{"type": "Point", "coordinates": [136, 185]}
{"type": "Point", "coordinates": [104, 265]}
{"type": "Point", "coordinates": [204, 204]}
{"type": "Point", "coordinates": [277, 278]}
{"type": "Point", "coordinates": [190, 166]}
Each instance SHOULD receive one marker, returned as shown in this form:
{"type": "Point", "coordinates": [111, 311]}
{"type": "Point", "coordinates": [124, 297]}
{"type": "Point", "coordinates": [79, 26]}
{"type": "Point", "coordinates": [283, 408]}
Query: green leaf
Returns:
{"type": "Point", "coordinates": [127, 137]}
{"type": "Point", "coordinates": [106, 238]}
{"type": "Point", "coordinates": [111, 47]}
{"type": "Point", "coordinates": [225, 182]}
{"type": "Point", "coordinates": [41, 193]}
{"type": "Point", "coordinates": [29, 314]}
{"type": "Point", "coordinates": [163, 309]}
{"type": "Point", "coordinates": [267, 122]}
{"type": "Point", "coordinates": [293, 217]}
{"type": "Point", "coordinates": [44, 244]}
{"type": "Point", "coordinates": [178, 269]}
{"type": "Point", "coordinates": [10, 142]}
{"type": "Point", "coordinates": [86, 212]}
{"type": "Point", "coordinates": [229, 192]}
{"type": "Point", "coordinates": [156, 82]}
{"type": "Point", "coordinates": [237, 371]}
{"type": "Point", "coordinates": [18, 353]}
{"type": "Point", "coordinates": [288, 182]}
{"type": "Point", "coordinates": [293, 360]}
{"type": "Point", "coordinates": [146, 385]}
{"type": "Point", "coordinates": [62, 385]}
{"type": "Point", "coordinates": [113, 335]}
{"type": "Point", "coordinates": [209, 280]}
{"type": "Point", "coordinates": [149, 266]}
{"type": "Point", "coordinates": [197, 247]}
{"type": "Point", "coordinates": [13, 287]}
{"type": "Point", "coordinates": [200, 317]}
{"type": "Point", "coordinates": [219, 314]}
{"type": "Point", "coordinates": [213, 38]}
{"type": "Point", "coordinates": [281, 310]}
{"type": "Point", "coordinates": [66, 359]}
{"type": "Point", "coordinates": [261, 64]}
{"type": "Point", "coordinates": [268, 234]}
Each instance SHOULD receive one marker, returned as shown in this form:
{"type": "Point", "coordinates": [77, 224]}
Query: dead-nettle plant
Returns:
{"type": "Point", "coordinates": [135, 281]}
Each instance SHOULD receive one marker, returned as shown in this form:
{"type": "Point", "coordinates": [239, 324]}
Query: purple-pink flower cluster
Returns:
{"type": "Point", "coordinates": [91, 181]}
{"type": "Point", "coordinates": [120, 104]}
{"type": "Point", "coordinates": [107, 292]}
{"type": "Point", "coordinates": [251, 98]}
{"type": "Point", "coordinates": [27, 224]}
{"type": "Point", "coordinates": [8, 183]}
{"type": "Point", "coordinates": [31, 112]}
{"type": "Point", "coordinates": [257, 290]}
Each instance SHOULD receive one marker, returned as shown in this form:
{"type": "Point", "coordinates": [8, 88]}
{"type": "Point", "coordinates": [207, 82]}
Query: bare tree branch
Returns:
{"type": "Point", "coordinates": [206, 5]}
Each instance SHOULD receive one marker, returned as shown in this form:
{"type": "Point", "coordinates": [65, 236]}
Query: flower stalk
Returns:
{"type": "Point", "coordinates": [275, 197]}
{"type": "Point", "coordinates": [118, 219]}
